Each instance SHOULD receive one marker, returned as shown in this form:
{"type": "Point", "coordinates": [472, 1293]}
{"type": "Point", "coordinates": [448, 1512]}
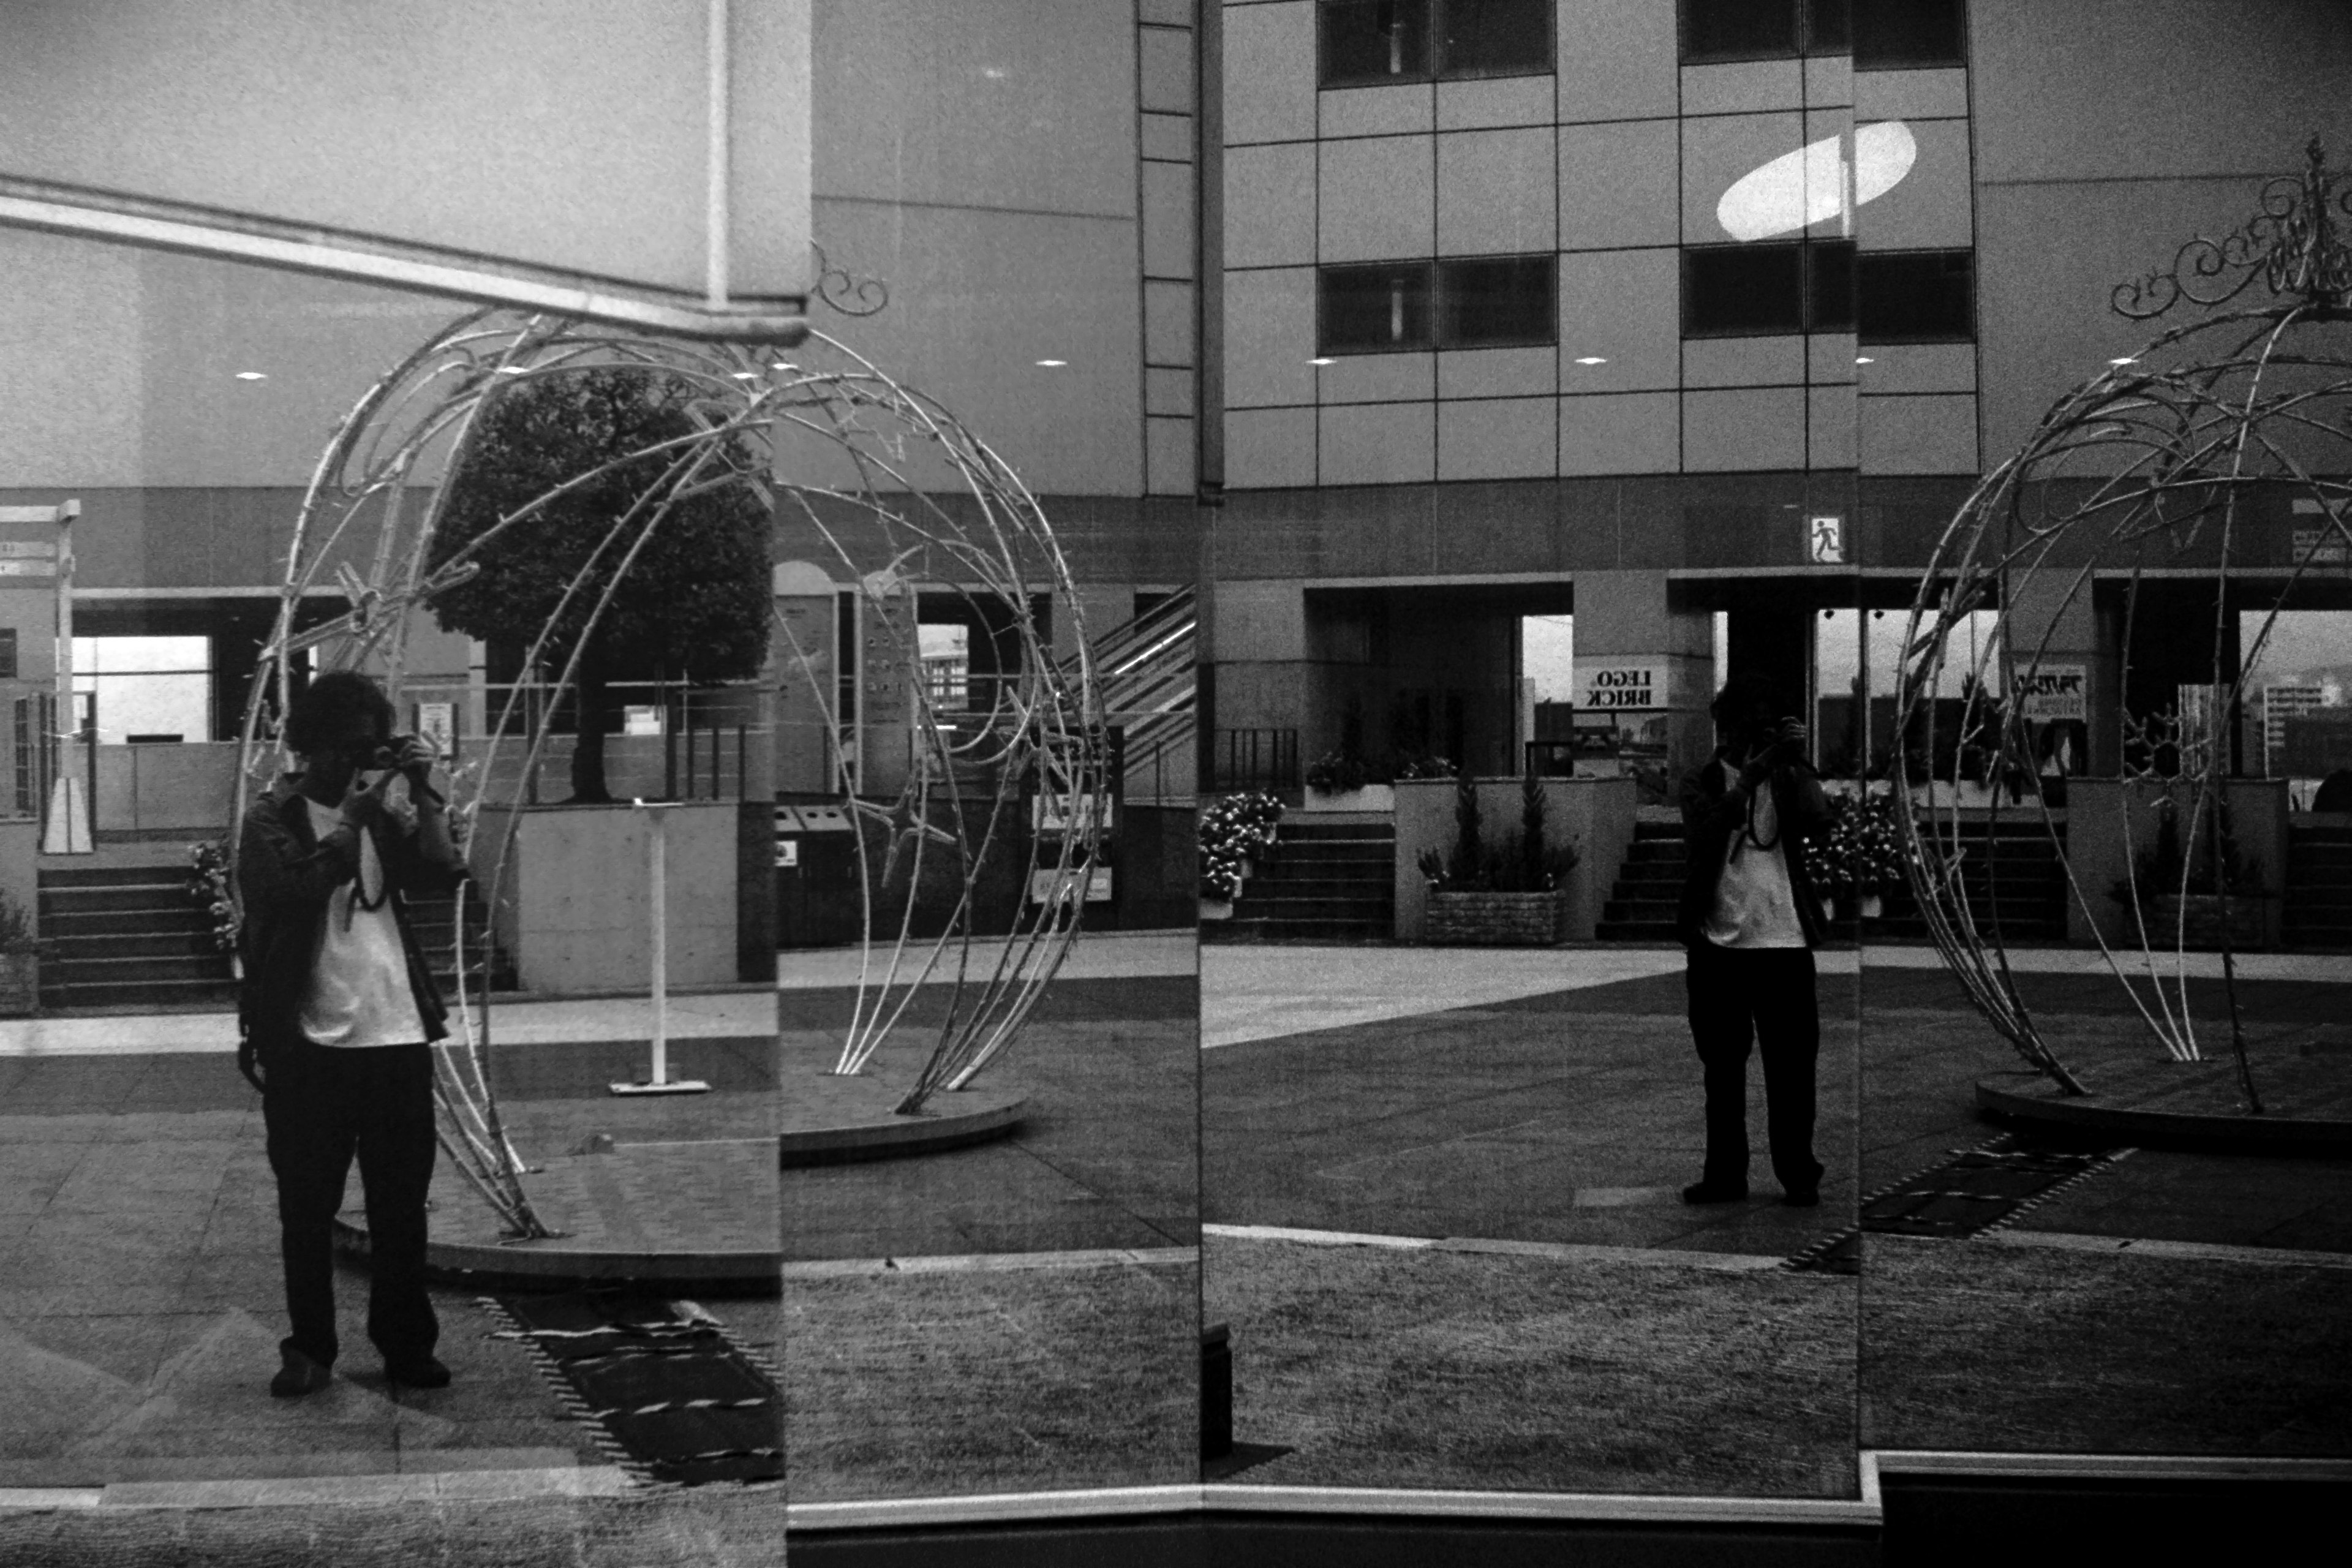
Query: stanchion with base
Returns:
{"type": "Point", "coordinates": [659, 1080]}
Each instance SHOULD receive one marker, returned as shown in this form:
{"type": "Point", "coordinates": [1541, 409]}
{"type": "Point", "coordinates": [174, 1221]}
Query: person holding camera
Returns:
{"type": "Point", "coordinates": [338, 1012]}
{"type": "Point", "coordinates": [1749, 919]}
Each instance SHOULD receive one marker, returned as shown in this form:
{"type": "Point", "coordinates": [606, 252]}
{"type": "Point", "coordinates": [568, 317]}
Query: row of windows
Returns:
{"type": "Point", "coordinates": [1365, 43]}
{"type": "Point", "coordinates": [1743, 290]}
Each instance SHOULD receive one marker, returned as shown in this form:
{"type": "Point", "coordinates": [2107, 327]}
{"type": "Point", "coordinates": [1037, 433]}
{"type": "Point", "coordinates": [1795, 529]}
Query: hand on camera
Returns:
{"type": "Point", "coordinates": [410, 754]}
{"type": "Point", "coordinates": [363, 802]}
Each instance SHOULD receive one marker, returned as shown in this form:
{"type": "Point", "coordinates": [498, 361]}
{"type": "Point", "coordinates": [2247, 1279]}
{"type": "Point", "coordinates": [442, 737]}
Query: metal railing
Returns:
{"type": "Point", "coordinates": [1253, 759]}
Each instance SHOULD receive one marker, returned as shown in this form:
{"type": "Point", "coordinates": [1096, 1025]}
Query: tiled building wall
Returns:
{"type": "Point", "coordinates": [1615, 161]}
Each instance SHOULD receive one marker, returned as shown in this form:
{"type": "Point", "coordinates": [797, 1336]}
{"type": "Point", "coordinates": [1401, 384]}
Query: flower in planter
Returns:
{"type": "Point", "coordinates": [1338, 772]}
{"type": "Point", "coordinates": [1231, 830]}
{"type": "Point", "coordinates": [208, 886]}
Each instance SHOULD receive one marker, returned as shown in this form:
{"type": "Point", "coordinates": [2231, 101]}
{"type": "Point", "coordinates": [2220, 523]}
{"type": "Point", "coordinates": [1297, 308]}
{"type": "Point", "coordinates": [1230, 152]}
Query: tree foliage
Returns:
{"type": "Point", "coordinates": [694, 605]}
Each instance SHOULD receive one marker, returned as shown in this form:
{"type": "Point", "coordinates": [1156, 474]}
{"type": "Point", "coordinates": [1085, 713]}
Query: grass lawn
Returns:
{"type": "Point", "coordinates": [1385, 1368]}
{"type": "Point", "coordinates": [930, 1384]}
{"type": "Point", "coordinates": [1982, 1345]}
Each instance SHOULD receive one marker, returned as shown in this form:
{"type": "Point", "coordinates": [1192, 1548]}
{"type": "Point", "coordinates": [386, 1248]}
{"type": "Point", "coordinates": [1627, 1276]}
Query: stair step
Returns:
{"type": "Point", "coordinates": [175, 874]}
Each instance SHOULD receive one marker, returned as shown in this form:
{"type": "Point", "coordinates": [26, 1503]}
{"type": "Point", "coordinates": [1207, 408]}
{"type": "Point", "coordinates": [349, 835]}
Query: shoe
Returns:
{"type": "Point", "coordinates": [299, 1376]}
{"type": "Point", "coordinates": [1802, 1197]}
{"type": "Point", "coordinates": [423, 1373]}
{"type": "Point", "coordinates": [1714, 1192]}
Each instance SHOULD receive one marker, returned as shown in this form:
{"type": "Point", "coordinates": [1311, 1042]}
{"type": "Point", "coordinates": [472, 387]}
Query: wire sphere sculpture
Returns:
{"type": "Point", "coordinates": [2220, 450]}
{"type": "Point", "coordinates": [899, 491]}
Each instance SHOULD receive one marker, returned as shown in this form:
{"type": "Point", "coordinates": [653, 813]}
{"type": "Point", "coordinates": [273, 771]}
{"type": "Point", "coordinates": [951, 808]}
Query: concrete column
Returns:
{"type": "Point", "coordinates": [1627, 618]}
{"type": "Point", "coordinates": [2050, 626]}
{"type": "Point", "coordinates": [1261, 665]}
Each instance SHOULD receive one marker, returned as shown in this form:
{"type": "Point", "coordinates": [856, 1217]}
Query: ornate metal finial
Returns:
{"type": "Point", "coordinates": [849, 295]}
{"type": "Point", "coordinates": [2297, 245]}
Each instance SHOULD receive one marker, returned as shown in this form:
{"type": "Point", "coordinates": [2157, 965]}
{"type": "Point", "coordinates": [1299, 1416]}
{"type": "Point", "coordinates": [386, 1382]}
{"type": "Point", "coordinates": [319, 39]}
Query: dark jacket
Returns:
{"type": "Point", "coordinates": [1713, 811]}
{"type": "Point", "coordinates": [285, 877]}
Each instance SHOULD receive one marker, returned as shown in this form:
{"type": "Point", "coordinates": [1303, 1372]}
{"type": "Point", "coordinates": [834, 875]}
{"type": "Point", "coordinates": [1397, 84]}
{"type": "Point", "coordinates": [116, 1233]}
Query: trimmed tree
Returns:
{"type": "Point", "coordinates": [694, 605]}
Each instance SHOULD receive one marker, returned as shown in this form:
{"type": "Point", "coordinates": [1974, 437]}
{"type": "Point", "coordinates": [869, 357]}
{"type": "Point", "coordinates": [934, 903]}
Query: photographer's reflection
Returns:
{"type": "Point", "coordinates": [338, 1012]}
{"type": "Point", "coordinates": [1749, 919]}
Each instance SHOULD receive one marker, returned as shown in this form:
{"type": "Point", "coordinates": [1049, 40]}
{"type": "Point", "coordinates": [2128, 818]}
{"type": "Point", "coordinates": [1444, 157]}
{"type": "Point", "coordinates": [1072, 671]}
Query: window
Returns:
{"type": "Point", "coordinates": [1367, 43]}
{"type": "Point", "coordinates": [1716, 30]}
{"type": "Point", "coordinates": [1472, 302]}
{"type": "Point", "coordinates": [1893, 33]}
{"type": "Point", "coordinates": [1762, 291]}
{"type": "Point", "coordinates": [1494, 38]}
{"type": "Point", "coordinates": [147, 688]}
{"type": "Point", "coordinates": [1379, 309]}
{"type": "Point", "coordinates": [1497, 302]}
{"type": "Point", "coordinates": [1916, 297]}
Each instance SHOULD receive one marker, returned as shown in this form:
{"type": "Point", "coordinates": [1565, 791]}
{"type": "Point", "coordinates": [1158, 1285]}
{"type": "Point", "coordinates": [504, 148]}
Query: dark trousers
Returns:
{"type": "Point", "coordinates": [1764, 996]}
{"type": "Point", "coordinates": [323, 1104]}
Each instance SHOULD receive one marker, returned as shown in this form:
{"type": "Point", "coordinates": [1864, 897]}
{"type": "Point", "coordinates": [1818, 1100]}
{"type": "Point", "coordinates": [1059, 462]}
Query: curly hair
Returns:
{"type": "Point", "coordinates": [326, 705]}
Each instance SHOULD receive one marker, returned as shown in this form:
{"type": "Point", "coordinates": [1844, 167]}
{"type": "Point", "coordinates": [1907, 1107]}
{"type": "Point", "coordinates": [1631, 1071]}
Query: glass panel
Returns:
{"type": "Point", "coordinates": [1915, 297]}
{"type": "Point", "coordinates": [1367, 42]}
{"type": "Point", "coordinates": [1730, 290]}
{"type": "Point", "coordinates": [1895, 33]}
{"type": "Point", "coordinates": [1498, 301]}
{"type": "Point", "coordinates": [1374, 310]}
{"type": "Point", "coordinates": [1494, 38]}
{"type": "Point", "coordinates": [1829, 286]}
{"type": "Point", "coordinates": [1738, 30]}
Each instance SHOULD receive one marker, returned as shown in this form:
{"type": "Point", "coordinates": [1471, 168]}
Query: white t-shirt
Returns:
{"type": "Point", "coordinates": [359, 981]}
{"type": "Point", "coordinates": [1754, 904]}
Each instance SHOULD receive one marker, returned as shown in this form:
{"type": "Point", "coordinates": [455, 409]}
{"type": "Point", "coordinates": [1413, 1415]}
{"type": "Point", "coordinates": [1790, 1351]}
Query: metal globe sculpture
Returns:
{"type": "Point", "coordinates": [898, 489]}
{"type": "Point", "coordinates": [2189, 452]}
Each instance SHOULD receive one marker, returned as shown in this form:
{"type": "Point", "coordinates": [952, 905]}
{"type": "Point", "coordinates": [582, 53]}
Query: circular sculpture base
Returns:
{"type": "Point", "coordinates": [830, 1120]}
{"type": "Point", "coordinates": [2306, 1102]}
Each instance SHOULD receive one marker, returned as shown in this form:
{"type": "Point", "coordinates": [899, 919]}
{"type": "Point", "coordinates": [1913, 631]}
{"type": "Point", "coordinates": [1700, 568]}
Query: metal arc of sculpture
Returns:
{"type": "Point", "coordinates": [2191, 448]}
{"type": "Point", "coordinates": [884, 517]}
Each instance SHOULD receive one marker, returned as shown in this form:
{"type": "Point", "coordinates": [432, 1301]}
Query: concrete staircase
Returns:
{"type": "Point", "coordinates": [1649, 886]}
{"type": "Point", "coordinates": [2318, 913]}
{"type": "Point", "coordinates": [126, 936]}
{"type": "Point", "coordinates": [2016, 874]}
{"type": "Point", "coordinates": [1327, 881]}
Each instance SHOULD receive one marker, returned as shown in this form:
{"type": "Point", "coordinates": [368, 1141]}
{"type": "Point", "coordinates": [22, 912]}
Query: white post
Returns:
{"type": "Point", "coordinates": [66, 831]}
{"type": "Point", "coordinates": [659, 1080]}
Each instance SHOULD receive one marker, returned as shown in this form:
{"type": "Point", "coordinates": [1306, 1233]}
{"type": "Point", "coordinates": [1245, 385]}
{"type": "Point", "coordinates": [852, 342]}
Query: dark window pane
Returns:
{"type": "Point", "coordinates": [1829, 286]}
{"type": "Point", "coordinates": [1909, 33]}
{"type": "Point", "coordinates": [1375, 309]}
{"type": "Point", "coordinates": [1915, 297]}
{"type": "Point", "coordinates": [1494, 37]}
{"type": "Point", "coordinates": [1366, 42]}
{"type": "Point", "coordinates": [1829, 27]}
{"type": "Point", "coordinates": [1738, 29]}
{"type": "Point", "coordinates": [1731, 289]}
{"type": "Point", "coordinates": [1498, 300]}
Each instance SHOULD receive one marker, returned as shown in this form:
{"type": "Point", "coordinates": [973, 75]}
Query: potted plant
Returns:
{"type": "Point", "coordinates": [1874, 853]}
{"type": "Point", "coordinates": [1232, 831]}
{"type": "Point", "coordinates": [1339, 780]}
{"type": "Point", "coordinates": [2200, 899]}
{"type": "Point", "coordinates": [209, 887]}
{"type": "Point", "coordinates": [1502, 895]}
{"type": "Point", "coordinates": [1829, 856]}
{"type": "Point", "coordinates": [20, 962]}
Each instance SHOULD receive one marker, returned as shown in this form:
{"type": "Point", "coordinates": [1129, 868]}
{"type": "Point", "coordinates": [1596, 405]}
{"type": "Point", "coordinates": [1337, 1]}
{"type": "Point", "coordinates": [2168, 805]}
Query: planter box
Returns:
{"type": "Point", "coordinates": [1371, 797]}
{"type": "Point", "coordinates": [2197, 920]}
{"type": "Point", "coordinates": [1216, 909]}
{"type": "Point", "coordinates": [1497, 920]}
{"type": "Point", "coordinates": [20, 984]}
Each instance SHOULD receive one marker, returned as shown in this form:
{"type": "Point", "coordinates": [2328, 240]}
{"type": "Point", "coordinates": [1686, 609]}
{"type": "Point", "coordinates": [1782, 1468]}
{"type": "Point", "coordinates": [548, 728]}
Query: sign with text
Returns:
{"type": "Point", "coordinates": [1619, 686]}
{"type": "Point", "coordinates": [2050, 692]}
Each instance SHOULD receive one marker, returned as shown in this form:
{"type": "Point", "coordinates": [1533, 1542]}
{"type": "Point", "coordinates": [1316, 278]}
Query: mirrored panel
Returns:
{"type": "Point", "coordinates": [2105, 1156]}
{"type": "Point", "coordinates": [389, 1097]}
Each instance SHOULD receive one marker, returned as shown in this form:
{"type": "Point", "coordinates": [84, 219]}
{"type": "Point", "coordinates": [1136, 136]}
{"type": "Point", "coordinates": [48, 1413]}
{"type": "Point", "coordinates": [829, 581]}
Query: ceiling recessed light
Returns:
{"type": "Point", "coordinates": [1592, 359]}
{"type": "Point", "coordinates": [251, 375]}
{"type": "Point", "coordinates": [747, 375]}
{"type": "Point", "coordinates": [1053, 363]}
{"type": "Point", "coordinates": [1864, 359]}
{"type": "Point", "coordinates": [1323, 359]}
{"type": "Point", "coordinates": [509, 370]}
{"type": "Point", "coordinates": [2126, 360]}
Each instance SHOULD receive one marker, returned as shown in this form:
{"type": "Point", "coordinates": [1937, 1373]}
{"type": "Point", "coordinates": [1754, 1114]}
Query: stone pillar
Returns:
{"type": "Point", "coordinates": [1262, 670]}
{"type": "Point", "coordinates": [2053, 629]}
{"type": "Point", "coordinates": [1630, 620]}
